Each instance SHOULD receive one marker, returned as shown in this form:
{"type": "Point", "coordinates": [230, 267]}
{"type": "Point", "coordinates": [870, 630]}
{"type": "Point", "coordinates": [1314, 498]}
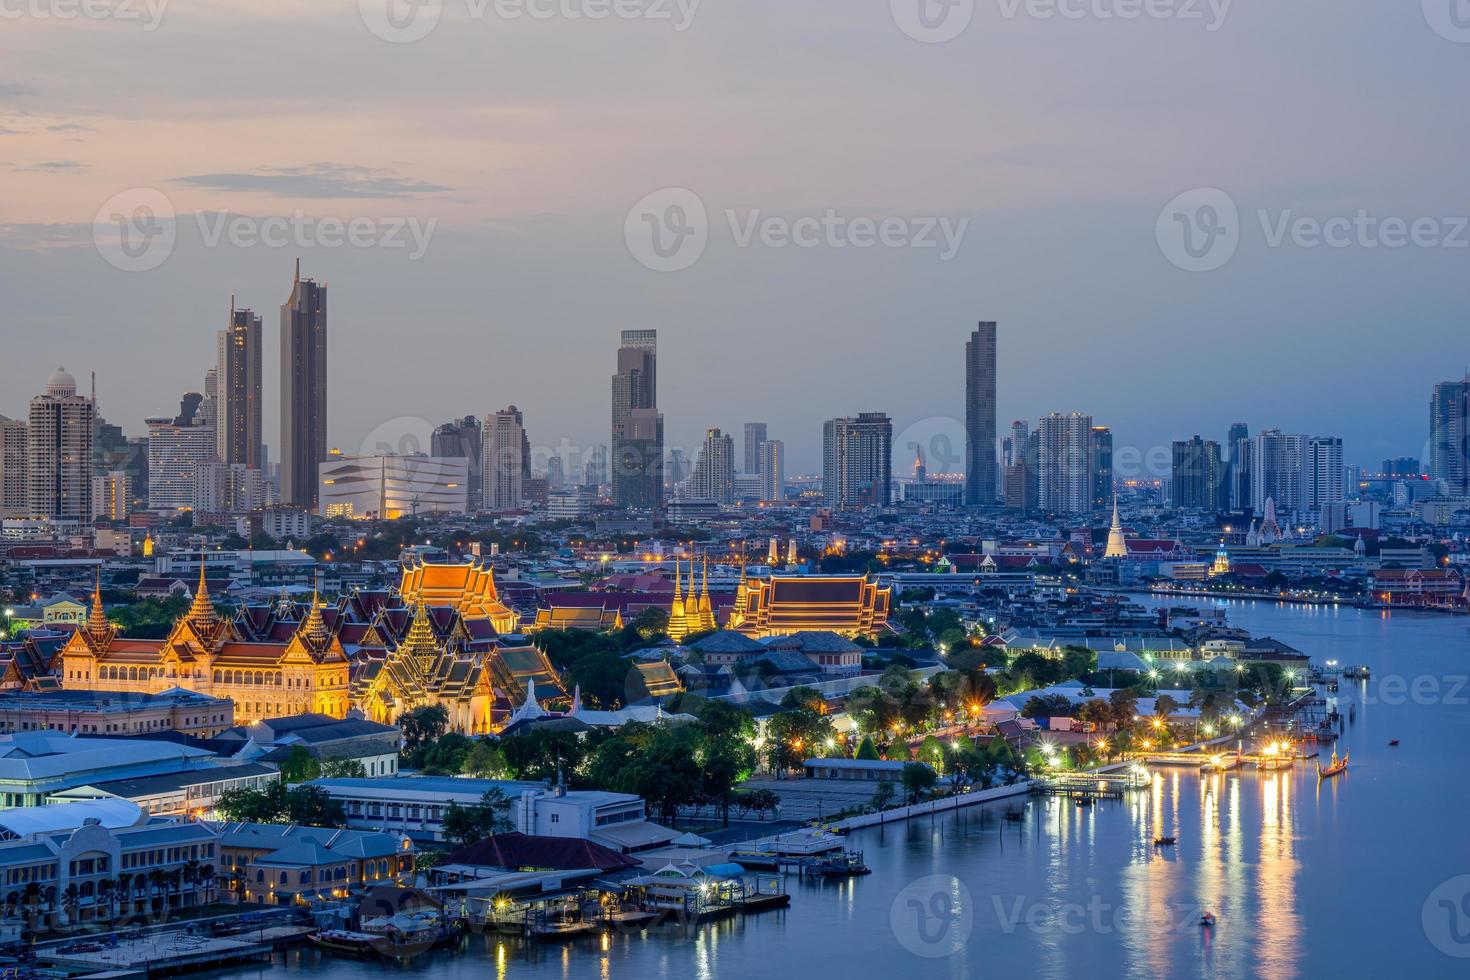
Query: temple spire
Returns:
{"type": "Point", "coordinates": [97, 623]}
{"type": "Point", "coordinates": [314, 628]}
{"type": "Point", "coordinates": [201, 610]}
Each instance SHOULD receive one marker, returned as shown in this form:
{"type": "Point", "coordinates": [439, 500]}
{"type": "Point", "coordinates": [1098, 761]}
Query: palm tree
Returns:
{"type": "Point", "coordinates": [158, 882]}
{"type": "Point", "coordinates": [70, 899]}
{"type": "Point", "coordinates": [124, 892]}
{"type": "Point", "coordinates": [32, 901]}
{"type": "Point", "coordinates": [206, 875]}
{"type": "Point", "coordinates": [106, 889]}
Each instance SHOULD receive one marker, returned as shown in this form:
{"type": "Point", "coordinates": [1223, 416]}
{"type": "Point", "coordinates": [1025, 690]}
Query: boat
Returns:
{"type": "Point", "coordinates": [848, 864]}
{"type": "Point", "coordinates": [1393, 743]}
{"type": "Point", "coordinates": [1221, 763]}
{"type": "Point", "coordinates": [1084, 801]}
{"type": "Point", "coordinates": [346, 942]}
{"type": "Point", "coordinates": [1165, 841]}
{"type": "Point", "coordinates": [1357, 673]}
{"type": "Point", "coordinates": [1337, 766]}
{"type": "Point", "coordinates": [1207, 920]}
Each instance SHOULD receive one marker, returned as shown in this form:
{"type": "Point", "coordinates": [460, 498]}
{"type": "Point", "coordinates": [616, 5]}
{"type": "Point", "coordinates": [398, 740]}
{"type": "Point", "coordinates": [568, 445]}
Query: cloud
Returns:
{"type": "Point", "coordinates": [15, 90]}
{"type": "Point", "coordinates": [71, 128]}
{"type": "Point", "coordinates": [56, 166]}
{"type": "Point", "coordinates": [36, 237]}
{"type": "Point", "coordinates": [318, 180]}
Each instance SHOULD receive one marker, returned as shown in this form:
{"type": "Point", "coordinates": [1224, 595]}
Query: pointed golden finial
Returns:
{"type": "Point", "coordinates": [97, 623]}
{"type": "Point", "coordinates": [201, 610]}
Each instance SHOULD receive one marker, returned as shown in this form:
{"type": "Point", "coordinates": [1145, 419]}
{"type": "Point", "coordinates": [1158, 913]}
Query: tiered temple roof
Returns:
{"type": "Point", "coordinates": [779, 606]}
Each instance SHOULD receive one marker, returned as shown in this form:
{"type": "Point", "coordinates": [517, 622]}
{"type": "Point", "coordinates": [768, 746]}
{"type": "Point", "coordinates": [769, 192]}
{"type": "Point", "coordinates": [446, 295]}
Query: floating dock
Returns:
{"type": "Point", "coordinates": [168, 953]}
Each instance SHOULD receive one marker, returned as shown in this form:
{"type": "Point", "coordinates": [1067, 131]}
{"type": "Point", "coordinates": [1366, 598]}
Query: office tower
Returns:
{"type": "Point", "coordinates": [228, 488]}
{"type": "Point", "coordinates": [1066, 466]}
{"type": "Point", "coordinates": [980, 462]}
{"type": "Point", "coordinates": [714, 470]}
{"type": "Point", "coordinates": [1449, 435]}
{"type": "Point", "coordinates": [1020, 435]}
{"type": "Point", "coordinates": [637, 428]}
{"type": "Point", "coordinates": [857, 461]}
{"type": "Point", "coordinates": [59, 452]}
{"type": "Point", "coordinates": [1196, 476]}
{"type": "Point", "coordinates": [679, 469]}
{"type": "Point", "coordinates": [506, 460]}
{"type": "Point", "coordinates": [1276, 468]}
{"type": "Point", "coordinates": [1020, 483]}
{"type": "Point", "coordinates": [177, 448]}
{"type": "Point", "coordinates": [14, 488]}
{"type": "Point", "coordinates": [755, 437]}
{"type": "Point", "coordinates": [556, 475]}
{"type": "Point", "coordinates": [1102, 467]}
{"type": "Point", "coordinates": [1236, 456]}
{"type": "Point", "coordinates": [463, 439]}
{"type": "Point", "coordinates": [112, 497]}
{"type": "Point", "coordinates": [209, 407]}
{"type": "Point", "coordinates": [1402, 468]}
{"type": "Point", "coordinates": [303, 390]}
{"type": "Point", "coordinates": [1323, 472]}
{"type": "Point", "coordinates": [594, 470]}
{"type": "Point", "coordinates": [773, 470]}
{"type": "Point", "coordinates": [239, 435]}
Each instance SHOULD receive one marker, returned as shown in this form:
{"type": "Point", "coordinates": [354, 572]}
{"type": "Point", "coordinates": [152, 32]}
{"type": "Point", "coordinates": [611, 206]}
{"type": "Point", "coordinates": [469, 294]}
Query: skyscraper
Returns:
{"type": "Point", "coordinates": [1197, 475]}
{"type": "Point", "coordinates": [59, 451]}
{"type": "Point", "coordinates": [980, 462]}
{"type": "Point", "coordinates": [714, 470]}
{"type": "Point", "coordinates": [178, 448]}
{"type": "Point", "coordinates": [1449, 435]}
{"type": "Point", "coordinates": [303, 390]}
{"type": "Point", "coordinates": [1236, 453]}
{"type": "Point", "coordinates": [755, 436]}
{"type": "Point", "coordinates": [637, 427]}
{"type": "Point", "coordinates": [463, 439]}
{"type": "Point", "coordinates": [14, 487]}
{"type": "Point", "coordinates": [1323, 473]}
{"type": "Point", "coordinates": [238, 432]}
{"type": "Point", "coordinates": [1066, 465]}
{"type": "Point", "coordinates": [1102, 467]}
{"type": "Point", "coordinates": [1276, 470]}
{"type": "Point", "coordinates": [773, 470]}
{"type": "Point", "coordinates": [857, 461]}
{"type": "Point", "coordinates": [506, 460]}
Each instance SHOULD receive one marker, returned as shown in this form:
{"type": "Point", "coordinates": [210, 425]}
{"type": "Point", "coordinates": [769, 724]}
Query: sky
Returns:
{"type": "Point", "coordinates": [1182, 213]}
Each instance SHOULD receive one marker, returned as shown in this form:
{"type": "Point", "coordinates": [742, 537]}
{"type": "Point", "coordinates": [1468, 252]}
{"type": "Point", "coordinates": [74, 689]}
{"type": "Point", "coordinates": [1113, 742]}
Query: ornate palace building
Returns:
{"type": "Point", "coordinates": [437, 641]}
{"type": "Point", "coordinates": [781, 606]}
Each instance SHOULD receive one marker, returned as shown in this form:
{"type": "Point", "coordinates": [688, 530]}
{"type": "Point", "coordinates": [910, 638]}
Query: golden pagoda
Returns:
{"type": "Point", "coordinates": [705, 617]}
{"type": "Point", "coordinates": [678, 619]}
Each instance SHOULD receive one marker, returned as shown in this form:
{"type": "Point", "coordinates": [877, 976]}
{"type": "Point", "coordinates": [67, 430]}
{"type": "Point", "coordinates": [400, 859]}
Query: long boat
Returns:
{"type": "Point", "coordinates": [1337, 766]}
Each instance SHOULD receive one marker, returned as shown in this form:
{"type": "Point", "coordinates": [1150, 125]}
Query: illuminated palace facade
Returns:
{"type": "Point", "coordinates": [443, 638]}
{"type": "Point", "coordinates": [782, 606]}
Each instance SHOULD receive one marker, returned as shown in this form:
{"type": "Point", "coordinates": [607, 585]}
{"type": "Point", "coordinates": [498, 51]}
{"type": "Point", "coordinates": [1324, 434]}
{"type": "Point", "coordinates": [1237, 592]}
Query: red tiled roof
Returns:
{"type": "Point", "coordinates": [517, 850]}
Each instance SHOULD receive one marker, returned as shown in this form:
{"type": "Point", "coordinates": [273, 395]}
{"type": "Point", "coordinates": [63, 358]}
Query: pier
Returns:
{"type": "Point", "coordinates": [167, 953]}
{"type": "Point", "coordinates": [1091, 785]}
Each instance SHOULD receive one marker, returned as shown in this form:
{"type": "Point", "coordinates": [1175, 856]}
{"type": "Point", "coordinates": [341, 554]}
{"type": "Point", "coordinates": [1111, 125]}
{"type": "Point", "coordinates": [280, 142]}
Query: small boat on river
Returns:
{"type": "Point", "coordinates": [1334, 768]}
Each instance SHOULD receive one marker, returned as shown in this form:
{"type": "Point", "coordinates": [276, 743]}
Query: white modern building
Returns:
{"type": "Point", "coordinates": [390, 487]}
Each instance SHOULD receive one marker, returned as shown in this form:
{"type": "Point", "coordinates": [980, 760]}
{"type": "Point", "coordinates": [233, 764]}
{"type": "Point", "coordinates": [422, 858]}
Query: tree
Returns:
{"type": "Point", "coordinates": [313, 806]}
{"type": "Point", "coordinates": [485, 761]}
{"type": "Point", "coordinates": [343, 769]}
{"type": "Point", "coordinates": [918, 779]}
{"type": "Point", "coordinates": [867, 750]}
{"type": "Point", "coordinates": [543, 756]}
{"type": "Point", "coordinates": [299, 766]}
{"type": "Point", "coordinates": [758, 801]}
{"type": "Point", "coordinates": [422, 726]}
{"type": "Point", "coordinates": [883, 796]}
{"type": "Point", "coordinates": [465, 825]}
{"type": "Point", "coordinates": [932, 751]}
{"type": "Point", "coordinates": [1164, 706]}
{"type": "Point", "coordinates": [793, 736]}
{"type": "Point", "coordinates": [651, 624]}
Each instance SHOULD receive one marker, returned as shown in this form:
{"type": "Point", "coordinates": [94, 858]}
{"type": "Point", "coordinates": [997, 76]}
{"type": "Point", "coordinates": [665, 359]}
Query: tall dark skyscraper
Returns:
{"type": "Point", "coordinates": [238, 433]}
{"type": "Point", "coordinates": [755, 436]}
{"type": "Point", "coordinates": [1449, 435]}
{"type": "Point", "coordinates": [1102, 467]}
{"type": "Point", "coordinates": [980, 461]}
{"type": "Point", "coordinates": [1197, 475]}
{"type": "Point", "coordinates": [637, 426]}
{"type": "Point", "coordinates": [463, 439]}
{"type": "Point", "coordinates": [303, 390]}
{"type": "Point", "coordinates": [1236, 451]}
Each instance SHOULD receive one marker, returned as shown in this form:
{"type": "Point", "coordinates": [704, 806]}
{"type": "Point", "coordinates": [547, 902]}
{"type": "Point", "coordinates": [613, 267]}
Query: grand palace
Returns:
{"type": "Point", "coordinates": [443, 637]}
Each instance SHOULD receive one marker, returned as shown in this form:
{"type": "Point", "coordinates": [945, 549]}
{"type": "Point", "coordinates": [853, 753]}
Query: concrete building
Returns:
{"type": "Point", "coordinates": [303, 390]}
{"type": "Point", "coordinates": [1197, 475]}
{"type": "Point", "coordinates": [463, 438]}
{"type": "Point", "coordinates": [390, 487]}
{"type": "Point", "coordinates": [177, 448]}
{"type": "Point", "coordinates": [857, 461]}
{"type": "Point", "coordinates": [112, 496]}
{"type": "Point", "coordinates": [239, 436]}
{"type": "Point", "coordinates": [772, 470]}
{"type": "Point", "coordinates": [1449, 435]}
{"type": "Point", "coordinates": [1323, 473]}
{"type": "Point", "coordinates": [14, 484]}
{"type": "Point", "coordinates": [981, 467]}
{"type": "Point", "coordinates": [507, 460]}
{"type": "Point", "coordinates": [59, 452]}
{"type": "Point", "coordinates": [755, 438]}
{"type": "Point", "coordinates": [637, 426]}
{"type": "Point", "coordinates": [1067, 472]}
{"type": "Point", "coordinates": [115, 712]}
{"type": "Point", "coordinates": [714, 470]}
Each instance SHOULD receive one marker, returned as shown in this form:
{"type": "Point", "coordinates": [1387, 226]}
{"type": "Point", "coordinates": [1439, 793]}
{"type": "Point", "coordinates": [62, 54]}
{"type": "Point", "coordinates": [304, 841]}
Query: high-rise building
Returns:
{"type": "Point", "coordinates": [14, 488]}
{"type": "Point", "coordinates": [773, 470]}
{"type": "Point", "coordinates": [1402, 468]}
{"type": "Point", "coordinates": [1102, 467]}
{"type": "Point", "coordinates": [637, 427]}
{"type": "Point", "coordinates": [112, 497]}
{"type": "Point", "coordinates": [556, 474]}
{"type": "Point", "coordinates": [857, 461]}
{"type": "Point", "coordinates": [239, 435]}
{"type": "Point", "coordinates": [1277, 460]}
{"type": "Point", "coordinates": [506, 460]}
{"type": "Point", "coordinates": [714, 470]}
{"type": "Point", "coordinates": [594, 468]}
{"type": "Point", "coordinates": [59, 452]}
{"type": "Point", "coordinates": [1236, 454]}
{"type": "Point", "coordinates": [1197, 473]}
{"type": "Point", "coordinates": [177, 448]}
{"type": "Point", "coordinates": [228, 488]}
{"type": "Point", "coordinates": [1323, 473]}
{"type": "Point", "coordinates": [1067, 471]}
{"type": "Point", "coordinates": [755, 437]}
{"type": "Point", "coordinates": [980, 462]}
{"type": "Point", "coordinates": [1449, 435]}
{"type": "Point", "coordinates": [463, 439]}
{"type": "Point", "coordinates": [303, 390]}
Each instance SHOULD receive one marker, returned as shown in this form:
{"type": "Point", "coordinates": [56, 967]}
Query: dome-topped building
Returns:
{"type": "Point", "coordinates": [61, 384]}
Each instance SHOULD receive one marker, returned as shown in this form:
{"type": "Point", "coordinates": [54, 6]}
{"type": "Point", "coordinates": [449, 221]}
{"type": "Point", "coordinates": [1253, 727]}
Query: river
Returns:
{"type": "Point", "coordinates": [1358, 876]}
